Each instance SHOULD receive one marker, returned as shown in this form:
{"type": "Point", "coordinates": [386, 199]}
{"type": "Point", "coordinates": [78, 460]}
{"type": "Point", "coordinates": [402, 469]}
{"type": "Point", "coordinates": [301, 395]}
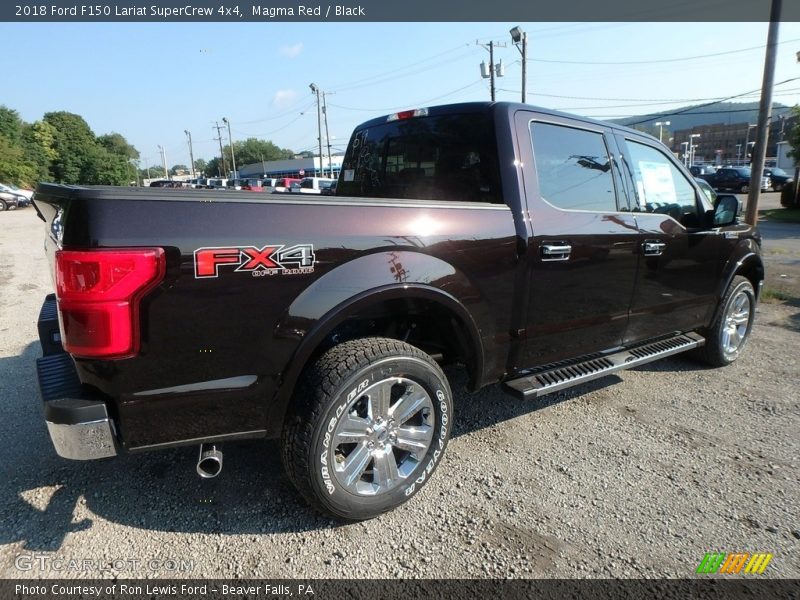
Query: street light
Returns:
{"type": "Point", "coordinates": [685, 146]}
{"type": "Point", "coordinates": [747, 137]}
{"type": "Point", "coordinates": [660, 125]}
{"type": "Point", "coordinates": [520, 38]}
{"type": "Point", "coordinates": [230, 141]}
{"type": "Point", "coordinates": [164, 161]}
{"type": "Point", "coordinates": [692, 148]}
{"type": "Point", "coordinates": [191, 151]}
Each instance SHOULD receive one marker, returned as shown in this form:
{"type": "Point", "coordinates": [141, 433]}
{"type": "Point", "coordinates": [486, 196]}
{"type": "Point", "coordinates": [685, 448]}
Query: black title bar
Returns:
{"type": "Point", "coordinates": [394, 11]}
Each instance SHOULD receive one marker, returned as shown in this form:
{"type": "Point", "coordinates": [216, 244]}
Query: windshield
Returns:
{"type": "Point", "coordinates": [447, 157]}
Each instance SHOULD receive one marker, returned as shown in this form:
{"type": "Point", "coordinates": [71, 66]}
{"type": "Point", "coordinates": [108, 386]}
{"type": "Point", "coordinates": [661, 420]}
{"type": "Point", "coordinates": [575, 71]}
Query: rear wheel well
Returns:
{"type": "Point", "coordinates": [426, 324]}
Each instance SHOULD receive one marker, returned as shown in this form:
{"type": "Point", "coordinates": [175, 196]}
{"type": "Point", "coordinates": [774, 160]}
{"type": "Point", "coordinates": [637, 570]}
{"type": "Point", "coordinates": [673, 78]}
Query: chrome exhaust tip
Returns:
{"type": "Point", "coordinates": [209, 464]}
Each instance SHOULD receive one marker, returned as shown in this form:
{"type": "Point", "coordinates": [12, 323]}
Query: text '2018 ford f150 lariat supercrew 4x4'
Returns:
{"type": "Point", "coordinates": [536, 249]}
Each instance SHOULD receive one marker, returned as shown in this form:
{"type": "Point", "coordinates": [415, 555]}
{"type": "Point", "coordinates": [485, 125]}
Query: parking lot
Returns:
{"type": "Point", "coordinates": [634, 475]}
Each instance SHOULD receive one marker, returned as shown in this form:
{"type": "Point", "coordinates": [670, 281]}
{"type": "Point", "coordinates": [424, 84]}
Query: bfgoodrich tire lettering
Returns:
{"type": "Point", "coordinates": [731, 328]}
{"type": "Point", "coordinates": [369, 425]}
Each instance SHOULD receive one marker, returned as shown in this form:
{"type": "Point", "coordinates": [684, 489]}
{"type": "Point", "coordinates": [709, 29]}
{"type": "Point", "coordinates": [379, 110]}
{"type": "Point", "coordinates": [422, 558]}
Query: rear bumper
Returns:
{"type": "Point", "coordinates": [79, 425]}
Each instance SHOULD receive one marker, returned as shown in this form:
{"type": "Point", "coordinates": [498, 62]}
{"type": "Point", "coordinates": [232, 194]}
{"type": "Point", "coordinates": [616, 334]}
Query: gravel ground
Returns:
{"type": "Point", "coordinates": [636, 475]}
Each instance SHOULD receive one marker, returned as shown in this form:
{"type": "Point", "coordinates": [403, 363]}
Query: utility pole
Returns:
{"type": "Point", "coordinates": [164, 161]}
{"type": "Point", "coordinates": [660, 125]}
{"type": "Point", "coordinates": [217, 126]}
{"type": "Point", "coordinates": [315, 90]}
{"type": "Point", "coordinates": [191, 151]}
{"type": "Point", "coordinates": [520, 38]}
{"type": "Point", "coordinates": [493, 69]}
{"type": "Point", "coordinates": [764, 113]}
{"type": "Point", "coordinates": [230, 141]}
{"type": "Point", "coordinates": [327, 134]}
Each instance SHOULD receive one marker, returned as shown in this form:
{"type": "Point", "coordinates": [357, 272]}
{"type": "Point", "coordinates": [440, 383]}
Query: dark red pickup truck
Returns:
{"type": "Point", "coordinates": [536, 249]}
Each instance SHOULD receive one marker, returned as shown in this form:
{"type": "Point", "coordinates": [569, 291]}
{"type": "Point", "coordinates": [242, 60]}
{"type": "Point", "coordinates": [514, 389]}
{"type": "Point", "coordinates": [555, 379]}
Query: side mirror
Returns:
{"type": "Point", "coordinates": [727, 209]}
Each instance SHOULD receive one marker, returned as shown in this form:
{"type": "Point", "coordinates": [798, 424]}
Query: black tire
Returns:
{"type": "Point", "coordinates": [777, 187]}
{"type": "Point", "coordinates": [338, 386]}
{"type": "Point", "coordinates": [718, 350]}
{"type": "Point", "coordinates": [744, 189]}
{"type": "Point", "coordinates": [2, 205]}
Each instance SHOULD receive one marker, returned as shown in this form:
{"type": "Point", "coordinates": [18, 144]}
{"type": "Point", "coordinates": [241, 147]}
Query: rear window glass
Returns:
{"type": "Point", "coordinates": [447, 157]}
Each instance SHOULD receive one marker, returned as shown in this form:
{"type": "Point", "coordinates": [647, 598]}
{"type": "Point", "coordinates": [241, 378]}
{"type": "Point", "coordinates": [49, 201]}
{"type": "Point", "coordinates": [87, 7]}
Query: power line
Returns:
{"type": "Point", "coordinates": [690, 108]}
{"type": "Point", "coordinates": [383, 74]}
{"type": "Point", "coordinates": [657, 61]}
{"type": "Point", "coordinates": [392, 76]}
{"type": "Point", "coordinates": [422, 102]}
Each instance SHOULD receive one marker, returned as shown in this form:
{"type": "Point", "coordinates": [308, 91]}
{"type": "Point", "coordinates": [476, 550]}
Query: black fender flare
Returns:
{"type": "Point", "coordinates": [746, 256]}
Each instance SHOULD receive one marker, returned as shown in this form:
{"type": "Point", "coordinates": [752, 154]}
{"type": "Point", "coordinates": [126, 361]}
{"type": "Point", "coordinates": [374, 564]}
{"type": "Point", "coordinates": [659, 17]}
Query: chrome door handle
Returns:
{"type": "Point", "coordinates": [653, 247]}
{"type": "Point", "coordinates": [557, 251]}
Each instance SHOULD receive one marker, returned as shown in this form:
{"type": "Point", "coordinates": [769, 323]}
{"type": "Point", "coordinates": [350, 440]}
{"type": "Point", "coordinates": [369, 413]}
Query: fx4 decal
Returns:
{"type": "Point", "coordinates": [259, 262]}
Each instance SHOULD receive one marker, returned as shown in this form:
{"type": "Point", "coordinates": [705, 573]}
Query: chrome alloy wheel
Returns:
{"type": "Point", "coordinates": [737, 321]}
{"type": "Point", "coordinates": [382, 436]}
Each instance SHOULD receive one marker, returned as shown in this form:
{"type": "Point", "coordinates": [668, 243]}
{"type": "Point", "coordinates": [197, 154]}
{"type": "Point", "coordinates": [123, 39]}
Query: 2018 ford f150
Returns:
{"type": "Point", "coordinates": [538, 250]}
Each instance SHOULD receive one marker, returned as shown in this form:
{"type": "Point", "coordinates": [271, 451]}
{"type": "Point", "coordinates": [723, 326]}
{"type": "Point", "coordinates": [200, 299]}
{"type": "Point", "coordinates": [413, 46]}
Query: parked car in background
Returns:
{"type": "Point", "coordinates": [252, 185]}
{"type": "Point", "coordinates": [217, 183]}
{"type": "Point", "coordinates": [314, 185]}
{"type": "Point", "coordinates": [12, 189]}
{"type": "Point", "coordinates": [700, 170]}
{"type": "Point", "coordinates": [778, 178]}
{"type": "Point", "coordinates": [330, 190]}
{"type": "Point", "coordinates": [736, 179]}
{"type": "Point", "coordinates": [269, 182]}
{"type": "Point", "coordinates": [9, 201]}
{"type": "Point", "coordinates": [284, 184]}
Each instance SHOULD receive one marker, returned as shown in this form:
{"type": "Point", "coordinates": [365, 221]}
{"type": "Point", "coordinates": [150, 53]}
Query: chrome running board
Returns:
{"type": "Point", "coordinates": [560, 376]}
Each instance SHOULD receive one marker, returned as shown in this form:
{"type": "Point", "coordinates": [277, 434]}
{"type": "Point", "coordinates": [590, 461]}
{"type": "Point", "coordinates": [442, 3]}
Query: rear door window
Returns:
{"type": "Point", "coordinates": [573, 168]}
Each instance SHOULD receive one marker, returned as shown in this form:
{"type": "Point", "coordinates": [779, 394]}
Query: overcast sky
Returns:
{"type": "Point", "coordinates": [151, 81]}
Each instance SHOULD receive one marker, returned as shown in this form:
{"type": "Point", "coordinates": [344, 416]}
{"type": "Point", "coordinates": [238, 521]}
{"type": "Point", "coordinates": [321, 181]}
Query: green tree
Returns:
{"type": "Point", "coordinates": [793, 136]}
{"type": "Point", "coordinates": [200, 165]}
{"type": "Point", "coordinates": [101, 167]}
{"type": "Point", "coordinates": [253, 150]}
{"type": "Point", "coordinates": [16, 165]}
{"type": "Point", "coordinates": [214, 168]}
{"type": "Point", "coordinates": [116, 144]}
{"type": "Point", "coordinates": [37, 140]}
{"type": "Point", "coordinates": [10, 125]}
{"type": "Point", "coordinates": [179, 169]}
{"type": "Point", "coordinates": [74, 143]}
{"type": "Point", "coordinates": [13, 166]}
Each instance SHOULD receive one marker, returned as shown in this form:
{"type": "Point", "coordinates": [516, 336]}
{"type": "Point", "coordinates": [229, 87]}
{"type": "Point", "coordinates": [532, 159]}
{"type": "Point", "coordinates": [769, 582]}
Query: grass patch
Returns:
{"type": "Point", "coordinates": [786, 215]}
{"type": "Point", "coordinates": [773, 296]}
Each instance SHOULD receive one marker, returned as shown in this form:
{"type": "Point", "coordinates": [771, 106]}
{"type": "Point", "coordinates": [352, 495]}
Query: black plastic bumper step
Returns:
{"type": "Point", "coordinates": [564, 376]}
{"type": "Point", "coordinates": [58, 378]}
{"type": "Point", "coordinates": [49, 333]}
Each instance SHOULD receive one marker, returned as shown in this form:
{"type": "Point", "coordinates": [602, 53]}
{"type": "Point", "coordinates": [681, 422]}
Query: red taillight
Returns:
{"type": "Point", "coordinates": [98, 295]}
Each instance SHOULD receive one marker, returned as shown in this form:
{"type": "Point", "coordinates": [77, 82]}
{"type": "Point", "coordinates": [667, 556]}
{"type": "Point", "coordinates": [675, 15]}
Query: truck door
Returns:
{"type": "Point", "coordinates": [679, 265]}
{"type": "Point", "coordinates": [582, 264]}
